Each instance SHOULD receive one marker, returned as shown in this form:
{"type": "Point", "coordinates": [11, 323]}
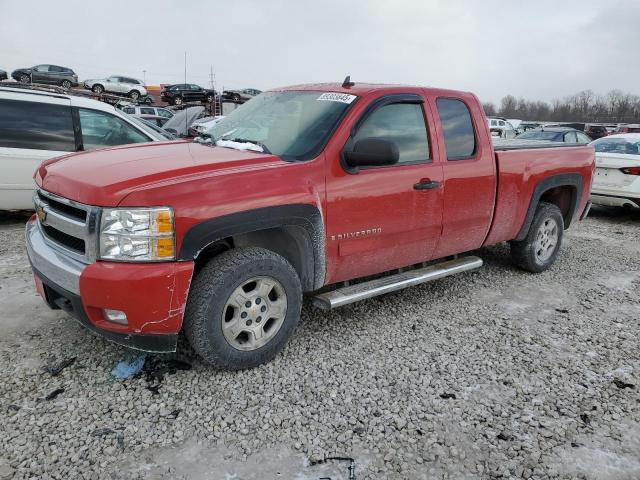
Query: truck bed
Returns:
{"type": "Point", "coordinates": [521, 167]}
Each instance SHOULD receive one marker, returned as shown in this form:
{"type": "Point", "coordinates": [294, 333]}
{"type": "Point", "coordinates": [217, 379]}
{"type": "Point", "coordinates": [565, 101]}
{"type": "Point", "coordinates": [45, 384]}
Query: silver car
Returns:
{"type": "Point", "coordinates": [131, 87]}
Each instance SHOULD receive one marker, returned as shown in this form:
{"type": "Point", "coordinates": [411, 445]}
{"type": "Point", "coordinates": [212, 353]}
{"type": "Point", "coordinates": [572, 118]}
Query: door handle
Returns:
{"type": "Point", "coordinates": [426, 184]}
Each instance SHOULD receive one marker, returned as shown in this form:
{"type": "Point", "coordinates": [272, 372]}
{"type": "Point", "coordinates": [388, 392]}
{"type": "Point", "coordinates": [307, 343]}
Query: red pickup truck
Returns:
{"type": "Point", "coordinates": [343, 192]}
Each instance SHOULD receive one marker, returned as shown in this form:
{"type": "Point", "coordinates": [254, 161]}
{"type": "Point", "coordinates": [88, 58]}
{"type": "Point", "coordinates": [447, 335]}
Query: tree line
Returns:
{"type": "Point", "coordinates": [585, 106]}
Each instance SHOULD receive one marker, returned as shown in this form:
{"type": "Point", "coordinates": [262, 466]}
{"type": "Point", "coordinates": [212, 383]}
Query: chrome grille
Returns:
{"type": "Point", "coordinates": [68, 225]}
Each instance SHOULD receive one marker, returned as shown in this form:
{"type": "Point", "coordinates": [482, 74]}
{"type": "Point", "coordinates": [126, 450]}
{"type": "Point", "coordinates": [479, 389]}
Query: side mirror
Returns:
{"type": "Point", "coordinates": [372, 152]}
{"type": "Point", "coordinates": [172, 131]}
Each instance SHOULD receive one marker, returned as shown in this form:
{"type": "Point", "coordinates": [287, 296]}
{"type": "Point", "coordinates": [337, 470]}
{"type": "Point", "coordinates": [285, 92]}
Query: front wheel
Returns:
{"type": "Point", "coordinates": [66, 84]}
{"type": "Point", "coordinates": [25, 78]}
{"type": "Point", "coordinates": [177, 101]}
{"type": "Point", "coordinates": [209, 98]}
{"type": "Point", "coordinates": [97, 89]}
{"type": "Point", "coordinates": [242, 308]}
{"type": "Point", "coordinates": [539, 249]}
{"type": "Point", "coordinates": [134, 95]}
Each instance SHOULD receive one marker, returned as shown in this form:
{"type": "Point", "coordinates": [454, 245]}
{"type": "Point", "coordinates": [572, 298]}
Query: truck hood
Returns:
{"type": "Point", "coordinates": [105, 177]}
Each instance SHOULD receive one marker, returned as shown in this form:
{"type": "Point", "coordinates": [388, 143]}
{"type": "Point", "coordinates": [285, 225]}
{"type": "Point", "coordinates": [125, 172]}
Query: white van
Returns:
{"type": "Point", "coordinates": [38, 125]}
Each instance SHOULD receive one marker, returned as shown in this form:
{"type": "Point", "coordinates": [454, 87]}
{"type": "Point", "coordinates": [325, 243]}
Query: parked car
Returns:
{"type": "Point", "coordinates": [629, 128]}
{"type": "Point", "coordinates": [186, 92]}
{"type": "Point", "coordinates": [617, 179]}
{"type": "Point", "coordinates": [202, 125]}
{"type": "Point", "coordinates": [596, 131]}
{"type": "Point", "coordinates": [501, 127]}
{"type": "Point", "coordinates": [556, 134]}
{"type": "Point", "coordinates": [47, 74]}
{"type": "Point", "coordinates": [131, 87]}
{"type": "Point", "coordinates": [525, 126]}
{"type": "Point", "coordinates": [180, 124]}
{"type": "Point", "coordinates": [221, 240]}
{"type": "Point", "coordinates": [147, 110]}
{"type": "Point", "coordinates": [36, 126]}
{"type": "Point", "coordinates": [3, 75]}
{"type": "Point", "coordinates": [241, 95]}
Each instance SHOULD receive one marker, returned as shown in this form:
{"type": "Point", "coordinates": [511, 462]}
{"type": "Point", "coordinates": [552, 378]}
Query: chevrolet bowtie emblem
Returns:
{"type": "Point", "coordinates": [42, 215]}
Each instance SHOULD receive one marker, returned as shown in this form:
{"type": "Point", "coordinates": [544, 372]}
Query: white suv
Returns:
{"type": "Point", "coordinates": [36, 126]}
{"type": "Point", "coordinates": [116, 84]}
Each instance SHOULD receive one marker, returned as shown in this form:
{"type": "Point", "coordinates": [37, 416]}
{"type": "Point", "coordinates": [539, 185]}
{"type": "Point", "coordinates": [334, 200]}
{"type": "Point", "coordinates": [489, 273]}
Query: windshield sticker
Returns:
{"type": "Point", "coordinates": [336, 97]}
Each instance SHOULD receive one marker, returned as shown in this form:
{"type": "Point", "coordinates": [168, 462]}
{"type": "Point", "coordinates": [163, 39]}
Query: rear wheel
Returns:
{"type": "Point", "coordinates": [177, 101]}
{"type": "Point", "coordinates": [209, 98]}
{"type": "Point", "coordinates": [66, 84]}
{"type": "Point", "coordinates": [243, 306]}
{"type": "Point", "coordinates": [97, 89]}
{"type": "Point", "coordinates": [540, 248]}
{"type": "Point", "coordinates": [134, 95]}
{"type": "Point", "coordinates": [24, 78]}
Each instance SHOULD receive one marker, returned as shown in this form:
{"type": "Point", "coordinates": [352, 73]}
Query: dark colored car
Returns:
{"type": "Point", "coordinates": [556, 134]}
{"type": "Point", "coordinates": [49, 74]}
{"type": "Point", "coordinates": [596, 131]}
{"type": "Point", "coordinates": [3, 75]}
{"type": "Point", "coordinates": [186, 92]}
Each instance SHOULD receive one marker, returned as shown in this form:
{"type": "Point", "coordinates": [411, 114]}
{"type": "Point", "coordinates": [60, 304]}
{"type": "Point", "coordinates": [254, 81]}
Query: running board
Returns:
{"type": "Point", "coordinates": [380, 286]}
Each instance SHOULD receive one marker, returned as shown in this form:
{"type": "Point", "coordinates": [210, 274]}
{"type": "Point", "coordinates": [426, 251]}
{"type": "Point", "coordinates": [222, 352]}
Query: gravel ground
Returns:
{"type": "Point", "coordinates": [492, 374]}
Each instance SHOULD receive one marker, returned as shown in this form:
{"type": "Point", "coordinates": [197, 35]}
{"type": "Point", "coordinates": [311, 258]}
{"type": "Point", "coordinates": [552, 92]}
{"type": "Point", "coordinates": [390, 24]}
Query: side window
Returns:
{"type": "Point", "coordinates": [38, 126]}
{"type": "Point", "coordinates": [129, 110]}
{"type": "Point", "coordinates": [147, 111]}
{"type": "Point", "coordinates": [459, 136]}
{"type": "Point", "coordinates": [42, 68]}
{"type": "Point", "coordinates": [164, 113]}
{"type": "Point", "coordinates": [102, 129]}
{"type": "Point", "coordinates": [570, 137]}
{"type": "Point", "coordinates": [501, 123]}
{"type": "Point", "coordinates": [401, 123]}
{"type": "Point", "coordinates": [494, 123]}
{"type": "Point", "coordinates": [582, 138]}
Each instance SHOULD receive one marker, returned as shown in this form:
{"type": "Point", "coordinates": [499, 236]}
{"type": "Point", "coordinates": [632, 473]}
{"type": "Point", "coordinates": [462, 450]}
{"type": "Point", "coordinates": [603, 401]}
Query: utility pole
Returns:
{"type": "Point", "coordinates": [144, 77]}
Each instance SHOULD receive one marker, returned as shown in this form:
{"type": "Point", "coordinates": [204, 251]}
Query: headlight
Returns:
{"type": "Point", "coordinates": [137, 234]}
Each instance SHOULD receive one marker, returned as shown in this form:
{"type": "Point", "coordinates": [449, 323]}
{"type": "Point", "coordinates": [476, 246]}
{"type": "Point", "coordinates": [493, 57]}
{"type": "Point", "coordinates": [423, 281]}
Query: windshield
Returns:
{"type": "Point", "coordinates": [617, 145]}
{"type": "Point", "coordinates": [149, 128]}
{"type": "Point", "coordinates": [292, 125]}
{"type": "Point", "coordinates": [537, 135]}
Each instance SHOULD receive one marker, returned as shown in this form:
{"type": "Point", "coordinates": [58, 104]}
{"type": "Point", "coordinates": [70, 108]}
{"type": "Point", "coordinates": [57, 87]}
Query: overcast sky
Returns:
{"type": "Point", "coordinates": [540, 49]}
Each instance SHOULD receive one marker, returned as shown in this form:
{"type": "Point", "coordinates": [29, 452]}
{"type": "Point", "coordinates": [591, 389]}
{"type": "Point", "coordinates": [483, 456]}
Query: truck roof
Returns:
{"type": "Point", "coordinates": [364, 88]}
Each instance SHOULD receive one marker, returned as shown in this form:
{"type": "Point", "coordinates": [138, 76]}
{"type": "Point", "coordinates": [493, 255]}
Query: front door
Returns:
{"type": "Point", "coordinates": [382, 218]}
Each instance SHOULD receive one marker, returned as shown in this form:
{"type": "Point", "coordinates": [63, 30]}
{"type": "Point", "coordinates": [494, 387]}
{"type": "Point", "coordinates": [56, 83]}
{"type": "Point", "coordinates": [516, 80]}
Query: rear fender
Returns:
{"type": "Point", "coordinates": [572, 180]}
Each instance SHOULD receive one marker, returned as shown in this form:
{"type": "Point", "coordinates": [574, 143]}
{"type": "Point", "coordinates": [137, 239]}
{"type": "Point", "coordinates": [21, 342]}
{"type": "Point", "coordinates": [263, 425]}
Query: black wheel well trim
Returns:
{"type": "Point", "coordinates": [573, 180]}
{"type": "Point", "coordinates": [302, 222]}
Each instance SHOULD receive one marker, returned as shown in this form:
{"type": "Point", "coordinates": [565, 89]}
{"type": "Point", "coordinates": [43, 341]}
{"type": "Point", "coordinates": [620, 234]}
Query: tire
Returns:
{"type": "Point", "coordinates": [66, 84]}
{"type": "Point", "coordinates": [134, 95]}
{"type": "Point", "coordinates": [97, 88]}
{"type": "Point", "coordinates": [219, 331]}
{"type": "Point", "coordinates": [25, 78]}
{"type": "Point", "coordinates": [209, 99]}
{"type": "Point", "coordinates": [177, 101]}
{"type": "Point", "coordinates": [540, 248]}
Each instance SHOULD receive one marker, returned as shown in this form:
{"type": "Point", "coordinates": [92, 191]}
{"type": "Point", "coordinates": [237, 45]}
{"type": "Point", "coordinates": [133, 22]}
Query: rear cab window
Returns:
{"type": "Point", "coordinates": [457, 128]}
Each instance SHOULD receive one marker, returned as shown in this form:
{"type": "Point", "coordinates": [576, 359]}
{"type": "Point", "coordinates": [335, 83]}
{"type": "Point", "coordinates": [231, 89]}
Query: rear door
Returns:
{"type": "Point", "coordinates": [40, 74]}
{"type": "Point", "coordinates": [33, 128]}
{"type": "Point", "coordinates": [469, 174]}
{"type": "Point", "coordinates": [381, 218]}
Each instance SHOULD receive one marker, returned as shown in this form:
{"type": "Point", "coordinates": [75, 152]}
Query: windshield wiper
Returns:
{"type": "Point", "coordinates": [246, 140]}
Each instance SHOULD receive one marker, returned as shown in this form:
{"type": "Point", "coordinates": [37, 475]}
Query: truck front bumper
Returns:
{"type": "Point", "coordinates": [152, 295]}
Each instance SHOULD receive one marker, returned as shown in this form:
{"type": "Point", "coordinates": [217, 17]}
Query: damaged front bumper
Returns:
{"type": "Point", "coordinates": [152, 296]}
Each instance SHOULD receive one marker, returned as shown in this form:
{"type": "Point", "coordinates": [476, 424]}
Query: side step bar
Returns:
{"type": "Point", "coordinates": [380, 286]}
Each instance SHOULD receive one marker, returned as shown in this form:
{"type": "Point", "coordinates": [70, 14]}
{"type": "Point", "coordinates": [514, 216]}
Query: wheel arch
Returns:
{"type": "Point", "coordinates": [563, 190]}
{"type": "Point", "coordinates": [294, 231]}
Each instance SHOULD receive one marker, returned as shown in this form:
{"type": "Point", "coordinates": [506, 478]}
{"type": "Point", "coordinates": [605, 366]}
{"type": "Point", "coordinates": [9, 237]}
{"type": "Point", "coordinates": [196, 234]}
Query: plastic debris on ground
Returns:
{"type": "Point", "coordinates": [128, 368]}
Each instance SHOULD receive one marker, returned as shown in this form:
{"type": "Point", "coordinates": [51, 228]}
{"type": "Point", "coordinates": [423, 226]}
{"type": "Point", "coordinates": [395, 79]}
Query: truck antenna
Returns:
{"type": "Point", "coordinates": [347, 82]}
